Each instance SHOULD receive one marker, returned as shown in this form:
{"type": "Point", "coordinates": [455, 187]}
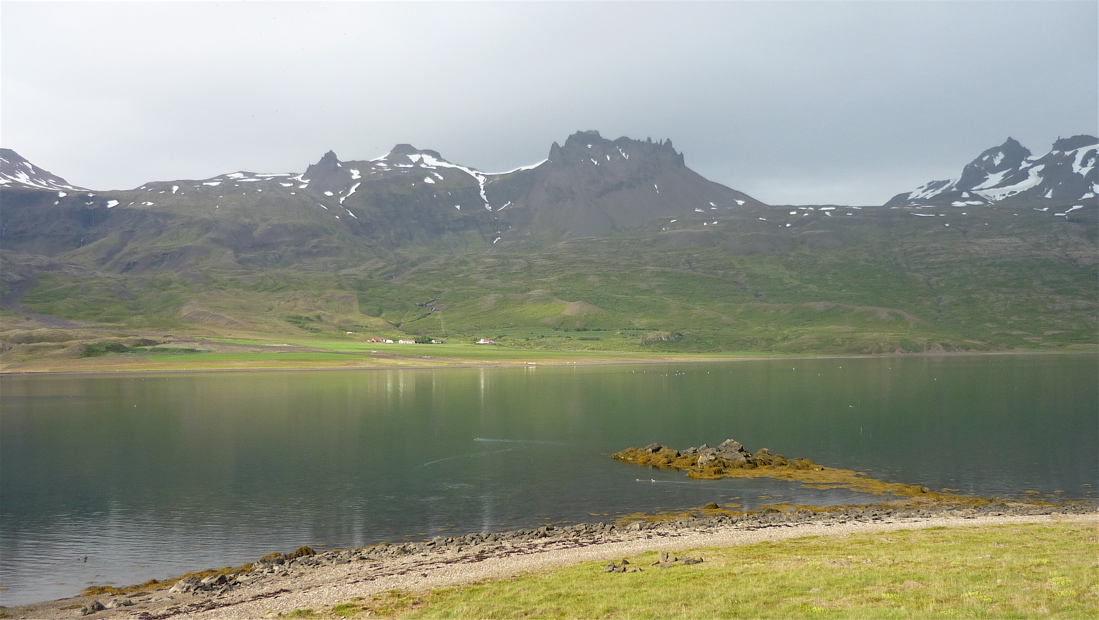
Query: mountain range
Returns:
{"type": "Point", "coordinates": [590, 186]}
{"type": "Point", "coordinates": [616, 238]}
{"type": "Point", "coordinates": [1009, 173]}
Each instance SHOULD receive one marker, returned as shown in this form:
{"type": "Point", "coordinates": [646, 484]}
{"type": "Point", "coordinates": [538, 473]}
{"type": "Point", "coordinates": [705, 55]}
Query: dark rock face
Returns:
{"type": "Point", "coordinates": [1008, 156]}
{"type": "Point", "coordinates": [1073, 143]}
{"type": "Point", "coordinates": [352, 211]}
{"type": "Point", "coordinates": [328, 174]}
{"type": "Point", "coordinates": [592, 186]}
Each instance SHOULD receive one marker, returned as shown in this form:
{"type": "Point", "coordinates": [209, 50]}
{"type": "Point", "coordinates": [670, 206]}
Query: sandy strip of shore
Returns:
{"type": "Point", "coordinates": [331, 586]}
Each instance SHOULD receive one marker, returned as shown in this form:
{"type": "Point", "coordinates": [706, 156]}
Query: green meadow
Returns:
{"type": "Point", "coordinates": [1015, 571]}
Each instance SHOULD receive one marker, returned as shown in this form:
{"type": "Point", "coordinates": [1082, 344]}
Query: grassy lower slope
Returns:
{"type": "Point", "coordinates": [1023, 571]}
{"type": "Point", "coordinates": [873, 281]}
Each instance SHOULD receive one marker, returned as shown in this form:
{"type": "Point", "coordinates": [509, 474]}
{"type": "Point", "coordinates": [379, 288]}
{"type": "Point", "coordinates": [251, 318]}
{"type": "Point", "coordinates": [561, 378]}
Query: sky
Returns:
{"type": "Point", "coordinates": [792, 102]}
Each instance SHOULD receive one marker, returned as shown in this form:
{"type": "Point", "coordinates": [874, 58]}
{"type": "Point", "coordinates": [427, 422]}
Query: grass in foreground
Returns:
{"type": "Point", "coordinates": [1025, 571]}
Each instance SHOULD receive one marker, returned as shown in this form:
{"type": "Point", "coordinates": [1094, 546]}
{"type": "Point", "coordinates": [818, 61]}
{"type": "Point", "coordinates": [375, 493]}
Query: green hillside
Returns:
{"type": "Point", "coordinates": [765, 279]}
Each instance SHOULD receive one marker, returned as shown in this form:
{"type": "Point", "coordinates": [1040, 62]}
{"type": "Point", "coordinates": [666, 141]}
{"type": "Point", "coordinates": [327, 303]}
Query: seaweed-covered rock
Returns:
{"type": "Point", "coordinates": [797, 463]}
{"type": "Point", "coordinates": [271, 559]}
{"type": "Point", "coordinates": [301, 552]}
{"type": "Point", "coordinates": [762, 458]}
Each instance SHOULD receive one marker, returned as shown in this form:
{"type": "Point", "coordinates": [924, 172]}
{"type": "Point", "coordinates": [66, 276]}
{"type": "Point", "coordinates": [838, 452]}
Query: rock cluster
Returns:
{"type": "Point", "coordinates": [707, 462]}
{"type": "Point", "coordinates": [95, 606]}
{"type": "Point", "coordinates": [664, 560]}
{"type": "Point", "coordinates": [621, 567]}
{"type": "Point", "coordinates": [216, 584]}
{"type": "Point", "coordinates": [487, 544]}
{"type": "Point", "coordinates": [667, 560]}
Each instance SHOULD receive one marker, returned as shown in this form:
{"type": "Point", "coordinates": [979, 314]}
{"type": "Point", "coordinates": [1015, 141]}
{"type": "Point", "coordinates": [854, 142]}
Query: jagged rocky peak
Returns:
{"type": "Point", "coordinates": [16, 171]}
{"type": "Point", "coordinates": [1075, 142]}
{"type": "Point", "coordinates": [328, 174]}
{"type": "Point", "coordinates": [1009, 155]}
{"type": "Point", "coordinates": [326, 167]}
{"type": "Point", "coordinates": [403, 154]}
{"type": "Point", "coordinates": [588, 148]}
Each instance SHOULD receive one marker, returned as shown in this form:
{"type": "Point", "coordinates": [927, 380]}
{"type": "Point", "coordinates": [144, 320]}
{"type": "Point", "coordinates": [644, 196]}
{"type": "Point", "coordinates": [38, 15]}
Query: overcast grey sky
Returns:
{"type": "Point", "coordinates": [792, 102]}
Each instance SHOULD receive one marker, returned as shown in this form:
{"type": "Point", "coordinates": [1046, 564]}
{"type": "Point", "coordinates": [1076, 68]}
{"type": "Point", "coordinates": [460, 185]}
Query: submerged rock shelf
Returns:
{"type": "Point", "coordinates": [731, 460]}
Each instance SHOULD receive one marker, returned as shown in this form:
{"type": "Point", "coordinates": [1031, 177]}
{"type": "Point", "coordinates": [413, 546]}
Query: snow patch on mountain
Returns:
{"type": "Point", "coordinates": [15, 171]}
{"type": "Point", "coordinates": [430, 160]}
{"type": "Point", "coordinates": [997, 192]}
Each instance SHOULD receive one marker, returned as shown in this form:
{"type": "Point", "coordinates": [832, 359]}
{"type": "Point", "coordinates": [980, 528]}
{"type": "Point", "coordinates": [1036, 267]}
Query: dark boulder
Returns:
{"type": "Point", "coordinates": [187, 584]}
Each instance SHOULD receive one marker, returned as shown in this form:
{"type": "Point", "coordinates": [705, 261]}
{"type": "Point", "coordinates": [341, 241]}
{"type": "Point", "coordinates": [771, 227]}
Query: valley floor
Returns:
{"type": "Point", "coordinates": [142, 351]}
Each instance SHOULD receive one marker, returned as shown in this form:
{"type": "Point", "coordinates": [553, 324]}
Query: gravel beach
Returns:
{"type": "Point", "coordinates": [281, 584]}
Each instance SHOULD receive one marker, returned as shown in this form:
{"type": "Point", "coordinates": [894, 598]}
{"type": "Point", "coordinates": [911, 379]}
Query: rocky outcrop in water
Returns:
{"type": "Point", "coordinates": [731, 460]}
{"type": "Point", "coordinates": [707, 462]}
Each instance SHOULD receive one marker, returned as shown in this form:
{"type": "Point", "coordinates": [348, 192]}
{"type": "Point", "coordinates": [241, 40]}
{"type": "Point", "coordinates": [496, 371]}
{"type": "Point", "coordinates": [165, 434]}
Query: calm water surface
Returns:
{"type": "Point", "coordinates": [152, 476]}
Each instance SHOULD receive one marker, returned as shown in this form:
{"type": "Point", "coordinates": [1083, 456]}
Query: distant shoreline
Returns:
{"type": "Point", "coordinates": [544, 358]}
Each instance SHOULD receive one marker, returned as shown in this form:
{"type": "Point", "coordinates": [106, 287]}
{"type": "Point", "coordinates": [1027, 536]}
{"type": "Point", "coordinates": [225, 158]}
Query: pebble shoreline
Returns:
{"type": "Point", "coordinates": [279, 584]}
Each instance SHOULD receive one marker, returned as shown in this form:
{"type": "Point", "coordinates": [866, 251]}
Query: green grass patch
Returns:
{"type": "Point", "coordinates": [104, 348]}
{"type": "Point", "coordinates": [303, 356]}
{"type": "Point", "coordinates": [1019, 571]}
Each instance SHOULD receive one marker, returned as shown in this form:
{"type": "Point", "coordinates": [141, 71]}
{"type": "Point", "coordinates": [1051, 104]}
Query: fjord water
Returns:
{"type": "Point", "coordinates": [155, 475]}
